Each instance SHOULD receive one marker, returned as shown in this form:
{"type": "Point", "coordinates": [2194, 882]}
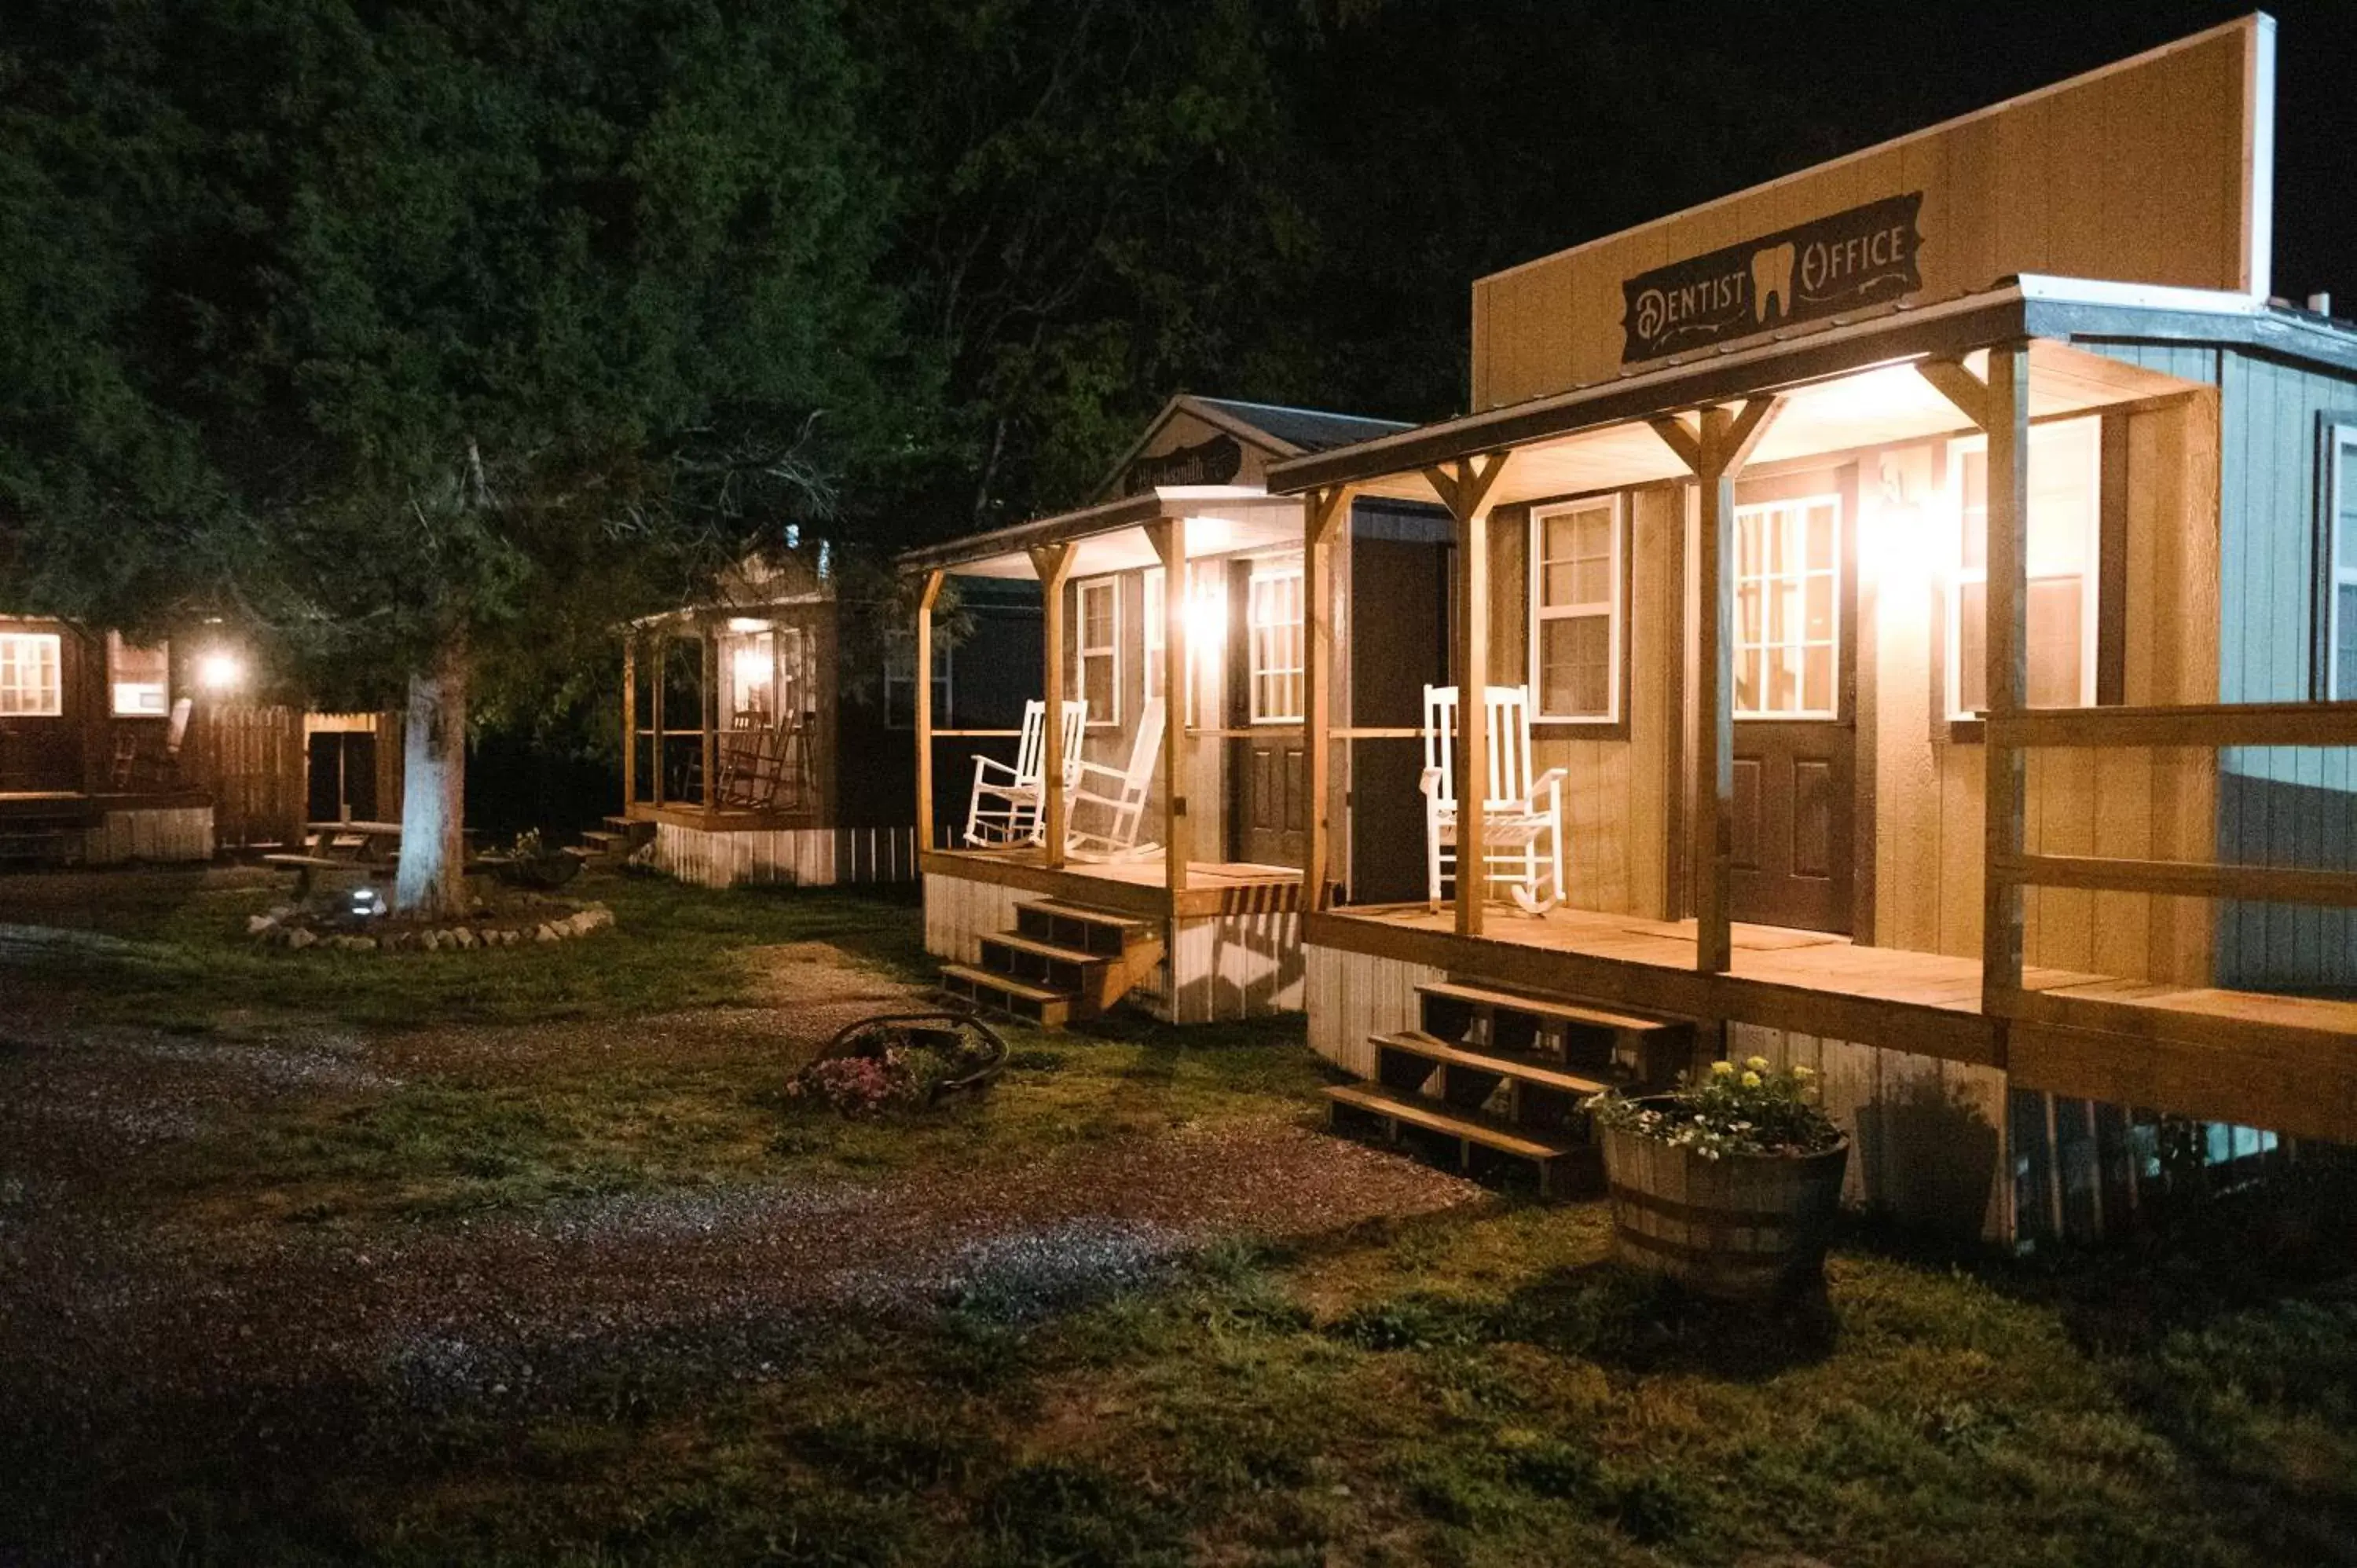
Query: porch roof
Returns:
{"type": "Point", "coordinates": [1848, 383]}
{"type": "Point", "coordinates": [1110, 536]}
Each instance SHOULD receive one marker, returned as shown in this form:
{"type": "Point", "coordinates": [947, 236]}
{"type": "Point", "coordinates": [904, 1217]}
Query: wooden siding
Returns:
{"type": "Point", "coordinates": [2144, 172]}
{"type": "Point", "coordinates": [1620, 780]}
{"type": "Point", "coordinates": [795, 857]}
{"type": "Point", "coordinates": [2283, 806]}
{"type": "Point", "coordinates": [2132, 802]}
{"type": "Point", "coordinates": [1353, 996]}
{"type": "Point", "coordinates": [160, 834]}
{"type": "Point", "coordinates": [1927, 1137]}
{"type": "Point", "coordinates": [1225, 968]}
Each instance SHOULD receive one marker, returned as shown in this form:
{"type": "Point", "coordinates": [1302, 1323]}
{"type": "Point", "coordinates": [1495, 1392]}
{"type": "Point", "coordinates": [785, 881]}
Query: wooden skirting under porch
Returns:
{"type": "Point", "coordinates": [1231, 940]}
{"type": "Point", "coordinates": [2283, 1063]}
{"type": "Point", "coordinates": [727, 853]}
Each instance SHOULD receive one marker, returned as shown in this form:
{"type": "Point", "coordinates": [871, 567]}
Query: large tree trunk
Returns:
{"type": "Point", "coordinates": [431, 880]}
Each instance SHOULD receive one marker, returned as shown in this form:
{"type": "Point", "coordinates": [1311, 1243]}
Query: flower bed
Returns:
{"type": "Point", "coordinates": [352, 925]}
{"type": "Point", "coordinates": [1747, 1108]}
{"type": "Point", "coordinates": [900, 1062]}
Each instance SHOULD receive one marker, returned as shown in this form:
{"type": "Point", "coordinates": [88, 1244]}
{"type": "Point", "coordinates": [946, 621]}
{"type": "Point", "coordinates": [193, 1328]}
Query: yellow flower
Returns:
{"type": "Point", "coordinates": [1751, 1079]}
{"type": "Point", "coordinates": [1804, 1072]}
{"type": "Point", "coordinates": [1757, 1064]}
{"type": "Point", "coordinates": [1721, 1070]}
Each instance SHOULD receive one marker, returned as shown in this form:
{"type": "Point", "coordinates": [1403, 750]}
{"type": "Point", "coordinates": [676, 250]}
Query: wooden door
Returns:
{"type": "Point", "coordinates": [1270, 778]}
{"type": "Point", "coordinates": [1795, 734]}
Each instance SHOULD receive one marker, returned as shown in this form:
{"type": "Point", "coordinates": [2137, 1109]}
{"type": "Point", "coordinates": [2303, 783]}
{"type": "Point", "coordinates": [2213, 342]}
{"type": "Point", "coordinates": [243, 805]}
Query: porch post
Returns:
{"type": "Point", "coordinates": [1053, 562]}
{"type": "Point", "coordinates": [926, 599]}
{"type": "Point", "coordinates": [2007, 640]}
{"type": "Point", "coordinates": [1463, 487]}
{"type": "Point", "coordinates": [1715, 448]}
{"type": "Point", "coordinates": [1715, 706]}
{"type": "Point", "coordinates": [663, 668]}
{"type": "Point", "coordinates": [629, 719]}
{"type": "Point", "coordinates": [711, 706]}
{"type": "Point", "coordinates": [1169, 536]}
{"type": "Point", "coordinates": [1321, 508]}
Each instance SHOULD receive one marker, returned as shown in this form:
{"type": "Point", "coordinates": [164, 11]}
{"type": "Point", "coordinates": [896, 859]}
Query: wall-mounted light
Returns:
{"type": "Point", "coordinates": [1207, 613]}
{"type": "Point", "coordinates": [746, 624]}
{"type": "Point", "coordinates": [220, 671]}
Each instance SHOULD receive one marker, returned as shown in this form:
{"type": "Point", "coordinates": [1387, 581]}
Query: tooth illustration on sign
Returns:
{"type": "Point", "coordinates": [1771, 275]}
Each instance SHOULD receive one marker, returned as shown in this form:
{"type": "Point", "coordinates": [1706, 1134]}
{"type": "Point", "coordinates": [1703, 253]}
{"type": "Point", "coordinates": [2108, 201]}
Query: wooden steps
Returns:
{"type": "Point", "coordinates": [1495, 1078]}
{"type": "Point", "coordinates": [1063, 962]}
{"type": "Point", "coordinates": [614, 843]}
{"type": "Point", "coordinates": [1004, 994]}
{"type": "Point", "coordinates": [1412, 1119]}
{"type": "Point", "coordinates": [1623, 1048]}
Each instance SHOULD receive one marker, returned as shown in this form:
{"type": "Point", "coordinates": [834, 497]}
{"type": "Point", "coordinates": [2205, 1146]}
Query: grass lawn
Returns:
{"type": "Point", "coordinates": [455, 1258]}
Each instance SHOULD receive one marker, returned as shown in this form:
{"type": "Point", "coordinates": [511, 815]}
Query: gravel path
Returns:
{"type": "Point", "coordinates": [101, 1300]}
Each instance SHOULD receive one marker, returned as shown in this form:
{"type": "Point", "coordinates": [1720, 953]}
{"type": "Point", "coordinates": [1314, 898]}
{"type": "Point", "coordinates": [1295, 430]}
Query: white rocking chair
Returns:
{"type": "Point", "coordinates": [1008, 805]}
{"type": "Point", "coordinates": [1519, 814]}
{"type": "Point", "coordinates": [1120, 795]}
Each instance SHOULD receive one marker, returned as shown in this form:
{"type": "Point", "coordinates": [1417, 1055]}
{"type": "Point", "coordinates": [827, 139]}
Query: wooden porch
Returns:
{"type": "Point", "coordinates": [2275, 1061]}
{"type": "Point", "coordinates": [1139, 887]}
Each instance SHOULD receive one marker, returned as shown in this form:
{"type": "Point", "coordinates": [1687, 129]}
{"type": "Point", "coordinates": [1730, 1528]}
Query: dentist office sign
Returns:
{"type": "Point", "coordinates": [1861, 256]}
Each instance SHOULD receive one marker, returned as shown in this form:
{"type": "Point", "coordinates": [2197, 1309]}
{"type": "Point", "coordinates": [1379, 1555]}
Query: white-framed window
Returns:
{"type": "Point", "coordinates": [2064, 550]}
{"type": "Point", "coordinates": [2340, 536]}
{"type": "Point", "coordinates": [1273, 637]}
{"type": "Point", "coordinates": [901, 682]}
{"type": "Point", "coordinates": [1576, 611]}
{"type": "Point", "coordinates": [139, 679]}
{"type": "Point", "coordinates": [1788, 608]}
{"type": "Point", "coordinates": [32, 683]}
{"type": "Point", "coordinates": [1155, 632]}
{"type": "Point", "coordinates": [1096, 662]}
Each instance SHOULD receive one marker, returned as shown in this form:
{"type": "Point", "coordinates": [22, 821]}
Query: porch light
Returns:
{"type": "Point", "coordinates": [746, 624]}
{"type": "Point", "coordinates": [220, 671]}
{"type": "Point", "coordinates": [1207, 614]}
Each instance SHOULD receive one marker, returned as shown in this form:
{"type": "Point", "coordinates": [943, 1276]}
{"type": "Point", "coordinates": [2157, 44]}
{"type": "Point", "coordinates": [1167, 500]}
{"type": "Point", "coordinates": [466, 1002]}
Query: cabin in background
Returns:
{"type": "Point", "coordinates": [803, 719]}
{"type": "Point", "coordinates": [1930, 572]}
{"type": "Point", "coordinates": [110, 751]}
{"type": "Point", "coordinates": [1197, 919]}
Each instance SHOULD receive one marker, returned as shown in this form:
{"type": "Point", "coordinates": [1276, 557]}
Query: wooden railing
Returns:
{"type": "Point", "coordinates": [2204, 726]}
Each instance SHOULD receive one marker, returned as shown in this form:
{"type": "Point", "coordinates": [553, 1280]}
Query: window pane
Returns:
{"type": "Point", "coordinates": [1575, 666]}
{"type": "Point", "coordinates": [1819, 624]}
{"type": "Point", "coordinates": [1821, 538]}
{"type": "Point", "coordinates": [29, 678]}
{"type": "Point", "coordinates": [1972, 650]}
{"type": "Point", "coordinates": [138, 678]}
{"type": "Point", "coordinates": [1746, 680]}
{"type": "Point", "coordinates": [2055, 662]}
{"type": "Point", "coordinates": [1559, 588]}
{"type": "Point", "coordinates": [1097, 676]}
{"type": "Point", "coordinates": [2345, 482]}
{"type": "Point", "coordinates": [2344, 653]}
{"type": "Point", "coordinates": [1561, 532]}
{"type": "Point", "coordinates": [1973, 498]}
{"type": "Point", "coordinates": [1817, 686]}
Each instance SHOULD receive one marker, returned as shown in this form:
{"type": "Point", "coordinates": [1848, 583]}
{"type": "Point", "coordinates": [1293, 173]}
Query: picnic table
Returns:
{"type": "Point", "coordinates": [349, 849]}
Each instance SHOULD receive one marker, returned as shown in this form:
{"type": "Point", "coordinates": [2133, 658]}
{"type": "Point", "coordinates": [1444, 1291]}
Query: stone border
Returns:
{"type": "Point", "coordinates": [270, 930]}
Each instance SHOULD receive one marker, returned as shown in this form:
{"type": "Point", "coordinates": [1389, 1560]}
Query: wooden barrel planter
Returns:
{"type": "Point", "coordinates": [1742, 1226]}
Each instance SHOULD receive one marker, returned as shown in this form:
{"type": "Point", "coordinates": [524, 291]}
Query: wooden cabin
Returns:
{"type": "Point", "coordinates": [805, 721]}
{"type": "Point", "coordinates": [1932, 571]}
{"type": "Point", "coordinates": [1198, 918]}
{"type": "Point", "coordinates": [114, 751]}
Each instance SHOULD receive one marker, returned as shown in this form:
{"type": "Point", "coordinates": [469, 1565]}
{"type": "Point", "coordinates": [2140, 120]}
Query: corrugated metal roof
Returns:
{"type": "Point", "coordinates": [1310, 429]}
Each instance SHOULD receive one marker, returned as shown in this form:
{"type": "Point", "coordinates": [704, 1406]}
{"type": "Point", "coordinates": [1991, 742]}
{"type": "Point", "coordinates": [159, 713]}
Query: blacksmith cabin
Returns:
{"type": "Point", "coordinates": [768, 733]}
{"type": "Point", "coordinates": [1935, 575]}
{"type": "Point", "coordinates": [1176, 847]}
{"type": "Point", "coordinates": [115, 749]}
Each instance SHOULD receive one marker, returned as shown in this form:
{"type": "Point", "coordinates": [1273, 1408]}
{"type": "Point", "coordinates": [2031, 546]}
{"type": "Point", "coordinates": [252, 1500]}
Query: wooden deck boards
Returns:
{"type": "Point", "coordinates": [2288, 1063]}
{"type": "Point", "coordinates": [1134, 886]}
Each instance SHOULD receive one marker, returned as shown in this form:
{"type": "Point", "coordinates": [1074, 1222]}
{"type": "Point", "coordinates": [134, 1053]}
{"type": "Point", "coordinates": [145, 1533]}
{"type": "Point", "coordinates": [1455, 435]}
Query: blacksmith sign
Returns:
{"type": "Point", "coordinates": [1857, 257]}
{"type": "Point", "coordinates": [1213, 462]}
